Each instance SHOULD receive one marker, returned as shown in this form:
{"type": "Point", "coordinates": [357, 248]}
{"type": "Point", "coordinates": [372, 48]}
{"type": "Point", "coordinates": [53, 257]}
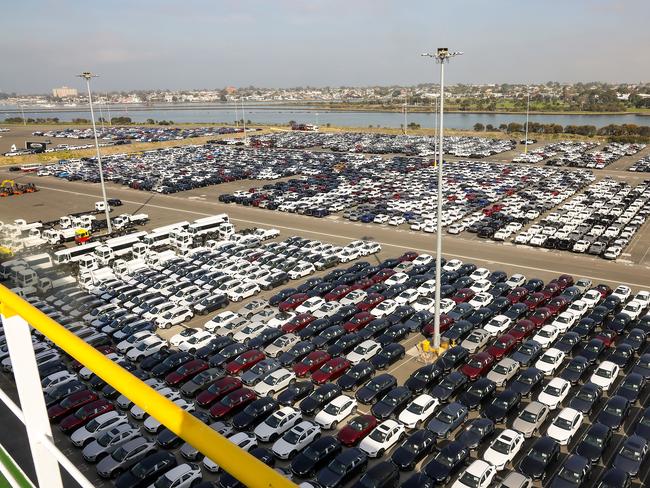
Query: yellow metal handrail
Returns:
{"type": "Point", "coordinates": [239, 463]}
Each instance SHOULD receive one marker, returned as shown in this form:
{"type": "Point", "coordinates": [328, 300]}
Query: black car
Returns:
{"type": "Point", "coordinates": [227, 354]}
{"type": "Point", "coordinates": [584, 328]}
{"type": "Point", "coordinates": [593, 350]}
{"type": "Point", "coordinates": [392, 403]}
{"type": "Point", "coordinates": [423, 378]}
{"type": "Point", "coordinates": [615, 412]}
{"type": "Point", "coordinates": [315, 456]}
{"type": "Point", "coordinates": [450, 385]}
{"type": "Point", "coordinates": [636, 339]}
{"type": "Point", "coordinates": [568, 342]}
{"type": "Point", "coordinates": [343, 314]}
{"type": "Point", "coordinates": [573, 473]}
{"type": "Point", "coordinates": [315, 328]}
{"type": "Point", "coordinates": [575, 371]}
{"type": "Point", "coordinates": [527, 353]}
{"type": "Point", "coordinates": [264, 338]}
{"type": "Point", "coordinates": [213, 347]}
{"type": "Point", "coordinates": [211, 303]}
{"type": "Point", "coordinates": [516, 311]}
{"type": "Point", "coordinates": [254, 413]}
{"type": "Point", "coordinates": [226, 480]}
{"type": "Point", "coordinates": [388, 355]}
{"type": "Point", "coordinates": [642, 427]}
{"type": "Point", "coordinates": [393, 334]}
{"type": "Point", "coordinates": [594, 443]}
{"type": "Point", "coordinates": [632, 455]}
{"type": "Point", "coordinates": [622, 355]}
{"type": "Point", "coordinates": [294, 393]}
{"type": "Point", "coordinates": [376, 388]}
{"type": "Point", "coordinates": [356, 376]}
{"type": "Point", "coordinates": [460, 311]}
{"type": "Point", "coordinates": [447, 462]}
{"type": "Point", "coordinates": [147, 470]}
{"type": "Point", "coordinates": [382, 475]}
{"type": "Point", "coordinates": [374, 328]}
{"type": "Point", "coordinates": [342, 468]}
{"type": "Point", "coordinates": [328, 336]}
{"type": "Point", "coordinates": [478, 394]}
{"type": "Point", "coordinates": [452, 358]}
{"type": "Point", "coordinates": [500, 303]}
{"type": "Point", "coordinates": [63, 390]}
{"type": "Point", "coordinates": [418, 320]}
{"type": "Point", "coordinates": [169, 440]}
{"type": "Point", "coordinates": [281, 296]}
{"type": "Point", "coordinates": [502, 405]}
{"type": "Point", "coordinates": [201, 381]}
{"type": "Point", "coordinates": [418, 480]}
{"type": "Point", "coordinates": [319, 397]}
{"type": "Point", "coordinates": [642, 366]}
{"type": "Point", "coordinates": [587, 397]}
{"type": "Point", "coordinates": [480, 316]}
{"type": "Point", "coordinates": [543, 453]}
{"type": "Point", "coordinates": [476, 432]}
{"type": "Point", "coordinates": [632, 387]}
{"type": "Point", "coordinates": [170, 364]}
{"type": "Point", "coordinates": [458, 331]}
{"type": "Point", "coordinates": [614, 478]}
{"type": "Point", "coordinates": [298, 351]}
{"type": "Point", "coordinates": [418, 445]}
{"type": "Point", "coordinates": [344, 344]}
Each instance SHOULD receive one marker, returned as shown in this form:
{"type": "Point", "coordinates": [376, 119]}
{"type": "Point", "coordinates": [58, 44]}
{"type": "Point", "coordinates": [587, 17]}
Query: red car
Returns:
{"type": "Point", "coordinates": [604, 290]}
{"type": "Point", "coordinates": [358, 321]}
{"type": "Point", "coordinates": [356, 429]}
{"type": "Point", "coordinates": [331, 370]}
{"type": "Point", "coordinates": [522, 329]}
{"type": "Point", "coordinates": [565, 281]}
{"type": "Point", "coordinates": [294, 301]}
{"type": "Point", "coordinates": [557, 305]}
{"type": "Point", "coordinates": [311, 363]}
{"type": "Point", "coordinates": [244, 361]}
{"type": "Point", "coordinates": [218, 390]}
{"type": "Point", "coordinates": [502, 346]}
{"type": "Point", "coordinates": [337, 293]}
{"type": "Point", "coordinates": [540, 316]}
{"type": "Point", "coordinates": [383, 275]}
{"type": "Point", "coordinates": [85, 414]}
{"type": "Point", "coordinates": [70, 403]}
{"type": "Point", "coordinates": [185, 372]}
{"type": "Point", "coordinates": [463, 295]}
{"type": "Point", "coordinates": [232, 402]}
{"type": "Point", "coordinates": [517, 295]}
{"type": "Point", "coordinates": [535, 300]}
{"type": "Point", "coordinates": [477, 365]}
{"type": "Point", "coordinates": [370, 302]}
{"type": "Point", "coordinates": [298, 323]}
{"type": "Point", "coordinates": [408, 256]}
{"type": "Point", "coordinates": [608, 337]}
{"type": "Point", "coordinates": [551, 289]}
{"type": "Point", "coordinates": [445, 322]}
{"type": "Point", "coordinates": [363, 284]}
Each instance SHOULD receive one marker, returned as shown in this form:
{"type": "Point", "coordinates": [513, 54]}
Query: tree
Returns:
{"type": "Point", "coordinates": [490, 128]}
{"type": "Point", "coordinates": [151, 121]}
{"type": "Point", "coordinates": [478, 127]}
{"type": "Point", "coordinates": [515, 127]}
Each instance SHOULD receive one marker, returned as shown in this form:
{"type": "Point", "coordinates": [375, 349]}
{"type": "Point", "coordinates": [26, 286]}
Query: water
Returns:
{"type": "Point", "coordinates": [279, 113]}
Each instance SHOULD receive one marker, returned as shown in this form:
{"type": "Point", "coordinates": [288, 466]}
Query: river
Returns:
{"type": "Point", "coordinates": [269, 113]}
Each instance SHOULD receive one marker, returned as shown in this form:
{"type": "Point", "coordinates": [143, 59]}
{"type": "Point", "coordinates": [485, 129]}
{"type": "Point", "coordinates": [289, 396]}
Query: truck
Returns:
{"type": "Point", "coordinates": [207, 226]}
{"type": "Point", "coordinates": [160, 237]}
{"type": "Point", "coordinates": [56, 236]}
{"type": "Point", "coordinates": [94, 277]}
{"type": "Point", "coordinates": [117, 247]}
{"type": "Point", "coordinates": [125, 268]}
{"type": "Point", "coordinates": [83, 220]}
{"type": "Point", "coordinates": [30, 282]}
{"type": "Point", "coordinates": [124, 220]}
{"type": "Point", "coordinates": [74, 254]}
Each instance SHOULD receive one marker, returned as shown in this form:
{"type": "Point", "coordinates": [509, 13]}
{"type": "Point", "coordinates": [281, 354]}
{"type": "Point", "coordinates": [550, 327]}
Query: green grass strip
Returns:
{"type": "Point", "coordinates": [14, 470]}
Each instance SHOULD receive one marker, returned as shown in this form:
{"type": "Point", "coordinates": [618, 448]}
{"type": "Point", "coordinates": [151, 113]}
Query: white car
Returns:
{"type": "Point", "coordinates": [327, 309]}
{"type": "Point", "coordinates": [427, 259]}
{"type": "Point", "coordinates": [424, 303]}
{"type": "Point", "coordinates": [364, 351]}
{"type": "Point", "coordinates": [605, 375]}
{"type": "Point", "coordinates": [153, 425]}
{"type": "Point", "coordinates": [396, 279]}
{"type": "Point", "coordinates": [146, 348]}
{"type": "Point", "coordinates": [481, 299]}
{"type": "Point", "coordinates": [184, 475]}
{"type": "Point", "coordinates": [336, 411]}
{"type": "Point", "coordinates": [347, 255]}
{"type": "Point", "coordinates": [504, 448]}
{"type": "Point", "coordinates": [253, 329]}
{"type": "Point", "coordinates": [407, 296]}
{"type": "Point", "coordinates": [220, 320]}
{"type": "Point", "coordinates": [623, 292]}
{"type": "Point", "coordinates": [277, 424]}
{"type": "Point", "coordinates": [546, 335]}
{"type": "Point", "coordinates": [310, 305]}
{"type": "Point", "coordinates": [418, 411]}
{"type": "Point", "coordinates": [550, 361]}
{"type": "Point", "coordinates": [643, 297]}
{"type": "Point", "coordinates": [503, 371]}
{"type": "Point", "coordinates": [554, 393]}
{"type": "Point", "coordinates": [177, 339]}
{"type": "Point", "coordinates": [301, 270]}
{"type": "Point", "coordinates": [96, 427]}
{"type": "Point", "coordinates": [516, 280]}
{"type": "Point", "coordinates": [633, 309]}
{"type": "Point", "coordinates": [497, 325]}
{"type": "Point", "coordinates": [197, 341]}
{"type": "Point", "coordinates": [479, 474]}
{"type": "Point", "coordinates": [451, 265]}
{"type": "Point", "coordinates": [281, 318]}
{"type": "Point", "coordinates": [455, 229]}
{"type": "Point", "coordinates": [578, 308]}
{"type": "Point", "coordinates": [382, 438]}
{"type": "Point", "coordinates": [565, 425]}
{"type": "Point", "coordinates": [427, 288]}
{"type": "Point", "coordinates": [384, 308]}
{"type": "Point", "coordinates": [370, 247]}
{"type": "Point", "coordinates": [243, 440]}
{"type": "Point", "coordinates": [481, 286]}
{"type": "Point", "coordinates": [354, 297]}
{"type": "Point", "coordinates": [398, 220]}
{"type": "Point", "coordinates": [245, 290]}
{"type": "Point", "coordinates": [592, 298]}
{"type": "Point", "coordinates": [55, 379]}
{"type": "Point", "coordinates": [171, 394]}
{"type": "Point", "coordinates": [133, 341]}
{"type": "Point", "coordinates": [175, 316]}
{"type": "Point", "coordinates": [280, 345]}
{"type": "Point", "coordinates": [476, 340]}
{"type": "Point", "coordinates": [564, 321]}
{"type": "Point", "coordinates": [296, 439]}
{"type": "Point", "coordinates": [274, 382]}
{"type": "Point", "coordinates": [480, 274]}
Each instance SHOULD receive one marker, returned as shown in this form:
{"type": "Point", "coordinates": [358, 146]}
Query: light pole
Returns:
{"type": "Point", "coordinates": [405, 109]}
{"type": "Point", "coordinates": [441, 56]}
{"type": "Point", "coordinates": [22, 110]}
{"type": "Point", "coordinates": [243, 119]}
{"type": "Point", "coordinates": [527, 110]}
{"type": "Point", "coordinates": [86, 75]}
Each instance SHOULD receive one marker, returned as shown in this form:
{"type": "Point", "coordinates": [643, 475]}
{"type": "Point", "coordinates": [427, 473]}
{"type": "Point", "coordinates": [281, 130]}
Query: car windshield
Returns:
{"type": "Point", "coordinates": [613, 410]}
{"type": "Point", "coordinates": [570, 476]}
{"type": "Point", "coordinates": [292, 436]}
{"type": "Point", "coordinates": [444, 460]}
{"type": "Point", "coordinates": [415, 408]}
{"type": "Point", "coordinates": [528, 416]}
{"type": "Point", "coordinates": [378, 435]}
{"type": "Point", "coordinates": [445, 418]}
{"type": "Point", "coordinates": [120, 453]}
{"type": "Point", "coordinates": [332, 409]}
{"type": "Point", "coordinates": [500, 369]}
{"type": "Point", "coordinates": [594, 440]}
{"type": "Point", "coordinates": [631, 454]}
{"type": "Point", "coordinates": [562, 423]}
{"type": "Point", "coordinates": [475, 363]}
{"type": "Point", "coordinates": [163, 482]}
{"type": "Point", "coordinates": [338, 467]}
{"type": "Point", "coordinates": [539, 455]}
{"type": "Point", "coordinates": [547, 358]}
{"type": "Point", "coordinates": [604, 373]}
{"type": "Point", "coordinates": [552, 390]}
{"type": "Point", "coordinates": [105, 439]}
{"type": "Point", "coordinates": [501, 447]}
{"type": "Point", "coordinates": [470, 480]}
{"type": "Point", "coordinates": [545, 333]}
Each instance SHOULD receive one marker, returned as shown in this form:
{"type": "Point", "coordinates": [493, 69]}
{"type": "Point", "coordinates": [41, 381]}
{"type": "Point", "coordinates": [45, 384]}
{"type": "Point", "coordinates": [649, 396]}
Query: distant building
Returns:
{"type": "Point", "coordinates": [64, 91]}
{"type": "Point", "coordinates": [230, 90]}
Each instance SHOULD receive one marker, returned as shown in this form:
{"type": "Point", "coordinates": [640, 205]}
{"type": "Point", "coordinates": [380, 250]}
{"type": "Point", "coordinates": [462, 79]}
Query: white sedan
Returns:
{"type": "Point", "coordinates": [479, 474]}
{"type": "Point", "coordinates": [481, 299]}
{"type": "Point", "coordinates": [296, 439]}
{"type": "Point", "coordinates": [498, 325]}
{"type": "Point", "coordinates": [301, 270]}
{"type": "Point", "coordinates": [554, 393]}
{"type": "Point", "coordinates": [364, 351]}
{"type": "Point", "coordinates": [550, 361]}
{"type": "Point", "coordinates": [564, 321]}
{"type": "Point", "coordinates": [310, 305]}
{"type": "Point", "coordinates": [546, 335]}
{"type": "Point", "coordinates": [418, 411]}
{"type": "Point", "coordinates": [504, 448]}
{"type": "Point", "coordinates": [385, 308]}
{"type": "Point", "coordinates": [274, 382]}
{"type": "Point", "coordinates": [407, 296]}
{"type": "Point", "coordinates": [476, 340]}
{"type": "Point", "coordinates": [565, 426]}
{"type": "Point", "coordinates": [605, 375]}
{"type": "Point", "coordinates": [177, 339]}
{"type": "Point", "coordinates": [245, 290]}
{"type": "Point", "coordinates": [382, 438]}
{"type": "Point", "coordinates": [336, 411]}
{"type": "Point", "coordinates": [220, 320]}
{"type": "Point", "coordinates": [277, 424]}
{"type": "Point", "coordinates": [354, 297]}
{"type": "Point", "coordinates": [396, 279]}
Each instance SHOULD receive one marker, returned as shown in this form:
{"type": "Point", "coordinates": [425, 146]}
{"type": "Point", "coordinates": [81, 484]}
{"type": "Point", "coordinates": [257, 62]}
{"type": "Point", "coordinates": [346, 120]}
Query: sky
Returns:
{"type": "Point", "coordinates": [185, 44]}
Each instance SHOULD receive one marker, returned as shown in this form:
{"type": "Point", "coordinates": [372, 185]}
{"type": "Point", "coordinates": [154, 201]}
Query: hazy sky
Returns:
{"type": "Point", "coordinates": [142, 44]}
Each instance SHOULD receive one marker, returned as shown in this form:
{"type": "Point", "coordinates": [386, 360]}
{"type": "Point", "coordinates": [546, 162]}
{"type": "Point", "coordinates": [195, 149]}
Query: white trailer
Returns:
{"type": "Point", "coordinates": [54, 236]}
{"type": "Point", "coordinates": [92, 278]}
{"type": "Point", "coordinates": [124, 220]}
{"type": "Point", "coordinates": [207, 225]}
{"type": "Point", "coordinates": [161, 236]}
{"type": "Point", "coordinates": [74, 254]}
{"type": "Point", "coordinates": [117, 247]}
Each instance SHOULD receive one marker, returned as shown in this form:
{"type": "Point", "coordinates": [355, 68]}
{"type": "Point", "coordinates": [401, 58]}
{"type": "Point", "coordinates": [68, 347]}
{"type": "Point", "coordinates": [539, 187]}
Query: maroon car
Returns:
{"type": "Point", "coordinates": [535, 300]}
{"type": "Point", "coordinates": [244, 361]}
{"type": "Point", "coordinates": [298, 323]}
{"type": "Point", "coordinates": [522, 329]}
{"type": "Point", "coordinates": [356, 429]}
{"type": "Point", "coordinates": [337, 293]}
{"type": "Point", "coordinates": [363, 284]}
{"type": "Point", "coordinates": [540, 316]}
{"type": "Point", "coordinates": [551, 289]}
{"type": "Point", "coordinates": [294, 301]}
{"type": "Point", "coordinates": [331, 370]}
{"type": "Point", "coordinates": [608, 337]}
{"type": "Point", "coordinates": [445, 322]}
{"type": "Point", "coordinates": [502, 346]}
{"type": "Point", "coordinates": [517, 295]}
{"type": "Point", "coordinates": [477, 365]}
{"type": "Point", "coordinates": [311, 363]}
{"type": "Point", "coordinates": [565, 281]}
{"type": "Point", "coordinates": [408, 256]}
{"type": "Point", "coordinates": [383, 275]}
{"type": "Point", "coordinates": [604, 290]}
{"type": "Point", "coordinates": [185, 372]}
{"type": "Point", "coordinates": [370, 302]}
{"type": "Point", "coordinates": [358, 321]}
{"type": "Point", "coordinates": [557, 305]}
{"type": "Point", "coordinates": [218, 390]}
{"type": "Point", "coordinates": [232, 402]}
{"type": "Point", "coordinates": [463, 295]}
{"type": "Point", "coordinates": [70, 403]}
{"type": "Point", "coordinates": [85, 414]}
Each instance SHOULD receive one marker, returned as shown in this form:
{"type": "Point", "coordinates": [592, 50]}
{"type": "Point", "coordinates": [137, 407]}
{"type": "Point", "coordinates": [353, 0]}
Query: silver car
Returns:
{"type": "Point", "coordinates": [503, 371]}
{"type": "Point", "coordinates": [281, 344]}
{"type": "Point", "coordinates": [109, 441]}
{"type": "Point", "coordinates": [531, 418]}
{"type": "Point", "coordinates": [259, 371]}
{"type": "Point", "coordinates": [125, 456]}
{"type": "Point", "coordinates": [96, 427]}
{"type": "Point", "coordinates": [191, 453]}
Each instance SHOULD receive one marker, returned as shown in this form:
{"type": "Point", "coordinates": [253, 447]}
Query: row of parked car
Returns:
{"type": "Point", "coordinates": [600, 221]}
{"type": "Point", "coordinates": [579, 154]}
{"type": "Point", "coordinates": [274, 375]}
{"type": "Point", "coordinates": [138, 134]}
{"type": "Point", "coordinates": [641, 166]}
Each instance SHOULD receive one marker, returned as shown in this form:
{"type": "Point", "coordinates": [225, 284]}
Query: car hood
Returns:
{"type": "Point", "coordinates": [327, 478]}
{"type": "Point", "coordinates": [531, 467]}
{"type": "Point", "coordinates": [403, 458]}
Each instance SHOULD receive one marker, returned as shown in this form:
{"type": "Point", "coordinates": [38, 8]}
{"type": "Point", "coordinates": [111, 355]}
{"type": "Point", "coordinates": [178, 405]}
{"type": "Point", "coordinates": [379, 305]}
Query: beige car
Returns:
{"type": "Point", "coordinates": [530, 419]}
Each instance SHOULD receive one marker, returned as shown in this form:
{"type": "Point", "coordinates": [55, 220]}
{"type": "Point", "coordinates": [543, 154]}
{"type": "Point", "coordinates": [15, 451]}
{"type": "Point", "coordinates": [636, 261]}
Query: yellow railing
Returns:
{"type": "Point", "coordinates": [240, 464]}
